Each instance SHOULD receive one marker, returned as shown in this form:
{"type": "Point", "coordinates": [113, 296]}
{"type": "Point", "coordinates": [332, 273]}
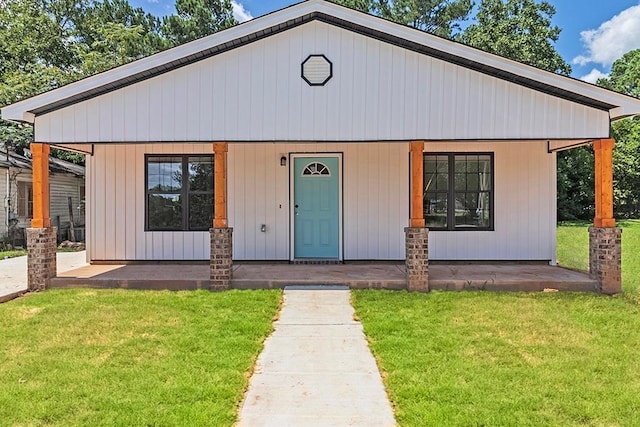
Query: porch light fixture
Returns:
{"type": "Point", "coordinates": [283, 161]}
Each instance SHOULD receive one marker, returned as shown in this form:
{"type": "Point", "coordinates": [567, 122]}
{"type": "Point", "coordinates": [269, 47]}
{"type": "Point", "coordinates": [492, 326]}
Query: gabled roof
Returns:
{"type": "Point", "coordinates": [618, 105]}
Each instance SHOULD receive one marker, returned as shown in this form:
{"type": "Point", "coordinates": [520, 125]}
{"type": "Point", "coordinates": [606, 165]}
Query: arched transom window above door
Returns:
{"type": "Point", "coordinates": [316, 168]}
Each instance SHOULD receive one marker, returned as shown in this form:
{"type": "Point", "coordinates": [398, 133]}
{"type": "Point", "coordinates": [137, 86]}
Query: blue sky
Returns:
{"type": "Point", "coordinates": [594, 32]}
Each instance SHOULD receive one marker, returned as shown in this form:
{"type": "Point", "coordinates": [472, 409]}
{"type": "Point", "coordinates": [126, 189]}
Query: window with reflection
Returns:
{"type": "Point", "coordinates": [458, 191]}
{"type": "Point", "coordinates": [179, 192]}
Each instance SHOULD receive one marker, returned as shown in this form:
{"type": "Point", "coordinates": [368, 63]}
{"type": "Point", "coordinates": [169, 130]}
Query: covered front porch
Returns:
{"type": "Point", "coordinates": [364, 275]}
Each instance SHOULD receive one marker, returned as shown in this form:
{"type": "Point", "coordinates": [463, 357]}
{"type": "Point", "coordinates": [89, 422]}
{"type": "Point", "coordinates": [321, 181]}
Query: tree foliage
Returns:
{"type": "Point", "coordinates": [625, 75]}
{"type": "Point", "coordinates": [440, 17]}
{"type": "Point", "coordinates": [575, 184]}
{"type": "Point", "coordinates": [625, 78]}
{"type": "Point", "coordinates": [45, 44]}
{"type": "Point", "coordinates": [197, 18]}
{"type": "Point", "coordinates": [519, 30]}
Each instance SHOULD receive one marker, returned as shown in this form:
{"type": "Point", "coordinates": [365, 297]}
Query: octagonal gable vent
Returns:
{"type": "Point", "coordinates": [317, 70]}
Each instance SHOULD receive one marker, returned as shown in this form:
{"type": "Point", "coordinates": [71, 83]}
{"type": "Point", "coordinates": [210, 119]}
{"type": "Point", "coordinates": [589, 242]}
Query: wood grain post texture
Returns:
{"type": "Point", "coordinates": [221, 266]}
{"type": "Point", "coordinates": [41, 237]}
{"type": "Point", "coordinates": [417, 235]}
{"type": "Point", "coordinates": [605, 240]}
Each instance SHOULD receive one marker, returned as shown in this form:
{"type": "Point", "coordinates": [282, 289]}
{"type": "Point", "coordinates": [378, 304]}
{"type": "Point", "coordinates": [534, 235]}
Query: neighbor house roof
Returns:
{"type": "Point", "coordinates": [23, 161]}
{"type": "Point", "coordinates": [618, 105]}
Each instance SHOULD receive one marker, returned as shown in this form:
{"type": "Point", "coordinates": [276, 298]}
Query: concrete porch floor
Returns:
{"type": "Point", "coordinates": [493, 277]}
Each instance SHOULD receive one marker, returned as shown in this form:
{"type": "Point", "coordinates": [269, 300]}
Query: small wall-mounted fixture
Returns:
{"type": "Point", "coordinates": [263, 228]}
{"type": "Point", "coordinates": [283, 161]}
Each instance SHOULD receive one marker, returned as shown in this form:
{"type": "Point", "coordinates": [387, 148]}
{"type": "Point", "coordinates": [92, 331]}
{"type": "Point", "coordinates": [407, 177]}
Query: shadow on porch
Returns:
{"type": "Point", "coordinates": [492, 277]}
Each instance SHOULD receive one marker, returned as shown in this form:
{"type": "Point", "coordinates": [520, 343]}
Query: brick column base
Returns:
{"type": "Point", "coordinates": [41, 257]}
{"type": "Point", "coordinates": [417, 258]}
{"type": "Point", "coordinates": [605, 258]}
{"type": "Point", "coordinates": [221, 262]}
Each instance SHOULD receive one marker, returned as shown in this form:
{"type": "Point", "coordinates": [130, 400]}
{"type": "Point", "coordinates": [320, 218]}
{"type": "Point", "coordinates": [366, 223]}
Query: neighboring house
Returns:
{"type": "Point", "coordinates": [16, 187]}
{"type": "Point", "coordinates": [302, 124]}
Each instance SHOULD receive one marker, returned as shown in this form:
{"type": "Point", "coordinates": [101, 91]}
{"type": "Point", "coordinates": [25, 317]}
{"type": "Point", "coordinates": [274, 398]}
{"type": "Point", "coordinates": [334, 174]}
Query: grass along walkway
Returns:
{"type": "Point", "coordinates": [573, 250]}
{"type": "Point", "coordinates": [483, 358]}
{"type": "Point", "coordinates": [123, 357]}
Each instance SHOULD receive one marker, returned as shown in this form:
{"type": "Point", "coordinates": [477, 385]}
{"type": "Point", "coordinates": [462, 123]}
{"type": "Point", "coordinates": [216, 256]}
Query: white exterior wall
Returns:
{"type": "Point", "coordinates": [116, 204]}
{"type": "Point", "coordinates": [375, 195]}
{"type": "Point", "coordinates": [524, 204]}
{"type": "Point", "coordinates": [375, 202]}
{"type": "Point", "coordinates": [60, 186]}
{"type": "Point", "coordinates": [378, 92]}
{"type": "Point", "coordinates": [375, 198]}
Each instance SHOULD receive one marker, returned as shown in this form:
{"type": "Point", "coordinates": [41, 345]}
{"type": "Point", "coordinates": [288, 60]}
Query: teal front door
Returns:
{"type": "Point", "coordinates": [316, 213]}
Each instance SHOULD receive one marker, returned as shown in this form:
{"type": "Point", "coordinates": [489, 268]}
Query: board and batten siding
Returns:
{"type": "Point", "coordinates": [116, 209]}
{"type": "Point", "coordinates": [524, 205]}
{"type": "Point", "coordinates": [375, 199]}
{"type": "Point", "coordinates": [374, 187]}
{"type": "Point", "coordinates": [61, 187]}
{"type": "Point", "coordinates": [378, 92]}
{"type": "Point", "coordinates": [375, 203]}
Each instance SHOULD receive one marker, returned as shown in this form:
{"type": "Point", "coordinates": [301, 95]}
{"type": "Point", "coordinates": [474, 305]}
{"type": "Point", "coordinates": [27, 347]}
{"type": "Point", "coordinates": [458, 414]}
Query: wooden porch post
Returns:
{"type": "Point", "coordinates": [605, 240]}
{"type": "Point", "coordinates": [603, 153]}
{"type": "Point", "coordinates": [417, 184]}
{"type": "Point", "coordinates": [417, 235]}
{"type": "Point", "coordinates": [40, 164]}
{"type": "Point", "coordinates": [41, 237]}
{"type": "Point", "coordinates": [221, 266]}
{"type": "Point", "coordinates": [220, 150]}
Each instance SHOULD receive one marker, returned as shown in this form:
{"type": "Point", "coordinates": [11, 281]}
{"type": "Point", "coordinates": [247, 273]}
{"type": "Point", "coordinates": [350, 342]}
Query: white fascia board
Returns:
{"type": "Point", "coordinates": [625, 105]}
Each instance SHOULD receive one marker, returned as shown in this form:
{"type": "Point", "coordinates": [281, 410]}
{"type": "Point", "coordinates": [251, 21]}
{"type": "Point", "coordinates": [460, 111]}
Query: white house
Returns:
{"type": "Point", "coordinates": [16, 188]}
{"type": "Point", "coordinates": [314, 113]}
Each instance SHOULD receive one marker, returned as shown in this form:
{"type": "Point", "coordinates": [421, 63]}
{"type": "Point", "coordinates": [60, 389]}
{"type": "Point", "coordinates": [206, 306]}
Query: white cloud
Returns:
{"type": "Point", "coordinates": [593, 76]}
{"type": "Point", "coordinates": [153, 1]}
{"type": "Point", "coordinates": [612, 39]}
{"type": "Point", "coordinates": [240, 13]}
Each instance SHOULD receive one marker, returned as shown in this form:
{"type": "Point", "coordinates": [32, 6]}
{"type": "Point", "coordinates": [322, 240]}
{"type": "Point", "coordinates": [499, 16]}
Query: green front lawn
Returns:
{"type": "Point", "coordinates": [506, 359]}
{"type": "Point", "coordinates": [123, 357]}
{"type": "Point", "coordinates": [573, 249]}
{"type": "Point", "coordinates": [513, 359]}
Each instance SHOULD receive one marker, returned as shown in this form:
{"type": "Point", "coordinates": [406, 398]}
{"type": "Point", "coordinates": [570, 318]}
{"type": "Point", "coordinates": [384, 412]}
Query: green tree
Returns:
{"type": "Point", "coordinates": [45, 44]}
{"type": "Point", "coordinates": [438, 17]}
{"type": "Point", "coordinates": [575, 184]}
{"type": "Point", "coordinates": [625, 78]}
{"type": "Point", "coordinates": [519, 30]}
{"type": "Point", "coordinates": [196, 19]}
{"type": "Point", "coordinates": [625, 75]}
{"type": "Point", "coordinates": [626, 167]}
{"type": "Point", "coordinates": [441, 17]}
{"type": "Point", "coordinates": [363, 5]}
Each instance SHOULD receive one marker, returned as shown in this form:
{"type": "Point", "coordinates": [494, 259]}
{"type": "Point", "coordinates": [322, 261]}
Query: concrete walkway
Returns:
{"type": "Point", "coordinates": [13, 271]}
{"type": "Point", "coordinates": [316, 368]}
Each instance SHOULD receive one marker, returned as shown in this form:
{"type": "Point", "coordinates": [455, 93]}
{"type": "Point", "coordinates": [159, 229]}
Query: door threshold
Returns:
{"type": "Point", "coordinates": [316, 261]}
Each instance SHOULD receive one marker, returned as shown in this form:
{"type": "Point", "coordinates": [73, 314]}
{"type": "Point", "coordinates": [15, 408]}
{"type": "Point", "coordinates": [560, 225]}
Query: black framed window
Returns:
{"type": "Point", "coordinates": [458, 191]}
{"type": "Point", "coordinates": [179, 192]}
